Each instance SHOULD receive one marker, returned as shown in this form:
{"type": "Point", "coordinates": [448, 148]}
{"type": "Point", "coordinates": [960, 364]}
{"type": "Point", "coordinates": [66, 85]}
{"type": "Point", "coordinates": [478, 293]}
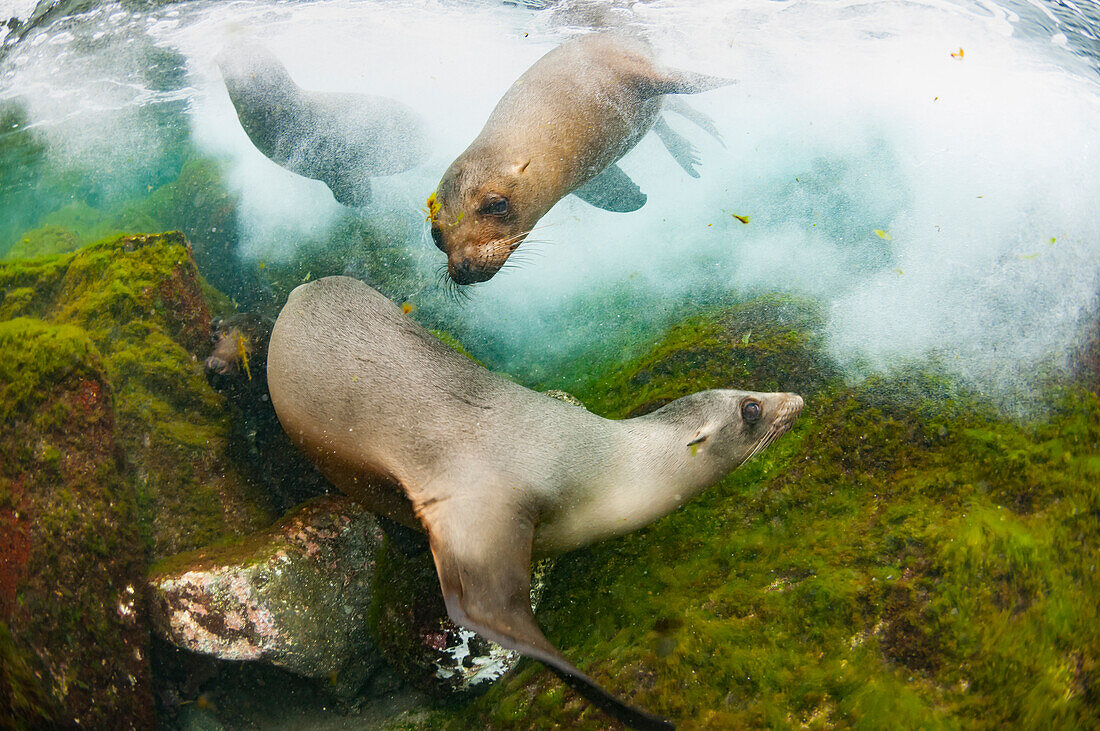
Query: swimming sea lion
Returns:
{"type": "Point", "coordinates": [340, 139]}
{"type": "Point", "coordinates": [559, 129]}
{"type": "Point", "coordinates": [493, 472]}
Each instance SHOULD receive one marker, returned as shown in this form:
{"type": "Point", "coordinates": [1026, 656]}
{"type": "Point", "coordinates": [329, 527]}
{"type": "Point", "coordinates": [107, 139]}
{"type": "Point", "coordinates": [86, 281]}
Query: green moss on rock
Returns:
{"type": "Point", "coordinates": [905, 557]}
{"type": "Point", "coordinates": [115, 452]}
{"type": "Point", "coordinates": [140, 300]}
{"type": "Point", "coordinates": [48, 240]}
{"type": "Point", "coordinates": [71, 541]}
{"type": "Point", "coordinates": [766, 344]}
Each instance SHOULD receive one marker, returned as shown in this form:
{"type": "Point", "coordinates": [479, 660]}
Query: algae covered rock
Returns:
{"type": "Point", "coordinates": [908, 556]}
{"type": "Point", "coordinates": [45, 241]}
{"type": "Point", "coordinates": [72, 636]}
{"type": "Point", "coordinates": [767, 344]}
{"type": "Point", "coordinates": [295, 595]}
{"type": "Point", "coordinates": [141, 302]}
{"type": "Point", "coordinates": [114, 452]}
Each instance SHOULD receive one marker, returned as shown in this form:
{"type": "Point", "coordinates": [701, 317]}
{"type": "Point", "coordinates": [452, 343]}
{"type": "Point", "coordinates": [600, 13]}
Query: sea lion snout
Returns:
{"type": "Point", "coordinates": [790, 406]}
{"type": "Point", "coordinates": [465, 271]}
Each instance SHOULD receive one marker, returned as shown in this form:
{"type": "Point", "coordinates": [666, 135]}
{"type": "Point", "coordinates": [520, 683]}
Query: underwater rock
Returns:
{"type": "Point", "coordinates": [73, 638]}
{"type": "Point", "coordinates": [909, 556]}
{"type": "Point", "coordinates": [114, 451]}
{"type": "Point", "coordinates": [141, 302]}
{"type": "Point", "coordinates": [48, 240]}
{"type": "Point", "coordinates": [771, 343]}
{"type": "Point", "coordinates": [295, 595]}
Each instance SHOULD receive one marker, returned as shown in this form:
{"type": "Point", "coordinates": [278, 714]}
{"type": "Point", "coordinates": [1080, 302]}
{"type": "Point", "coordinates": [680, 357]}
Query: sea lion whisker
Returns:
{"type": "Point", "coordinates": [763, 444]}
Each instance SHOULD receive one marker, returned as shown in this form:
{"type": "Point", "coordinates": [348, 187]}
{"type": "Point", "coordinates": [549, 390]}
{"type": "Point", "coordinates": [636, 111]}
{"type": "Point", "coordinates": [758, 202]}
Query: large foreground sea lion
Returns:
{"type": "Point", "coordinates": [493, 472]}
{"type": "Point", "coordinates": [340, 139]}
{"type": "Point", "coordinates": [558, 130]}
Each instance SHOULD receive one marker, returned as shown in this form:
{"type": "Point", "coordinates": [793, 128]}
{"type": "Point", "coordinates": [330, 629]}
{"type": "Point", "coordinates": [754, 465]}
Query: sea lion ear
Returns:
{"type": "Point", "coordinates": [700, 437]}
{"type": "Point", "coordinates": [521, 165]}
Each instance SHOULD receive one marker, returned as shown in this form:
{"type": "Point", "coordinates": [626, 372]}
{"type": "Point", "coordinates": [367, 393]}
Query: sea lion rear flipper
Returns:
{"type": "Point", "coordinates": [612, 190]}
{"type": "Point", "coordinates": [682, 151]}
{"type": "Point", "coordinates": [484, 572]}
{"type": "Point", "coordinates": [680, 106]}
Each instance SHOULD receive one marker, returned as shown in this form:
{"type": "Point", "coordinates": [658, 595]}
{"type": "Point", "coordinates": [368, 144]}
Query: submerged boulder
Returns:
{"type": "Point", "coordinates": [114, 453]}
{"type": "Point", "coordinates": [72, 637]}
{"type": "Point", "coordinates": [907, 556]}
{"type": "Point", "coordinates": [295, 595]}
{"type": "Point", "coordinates": [141, 302]}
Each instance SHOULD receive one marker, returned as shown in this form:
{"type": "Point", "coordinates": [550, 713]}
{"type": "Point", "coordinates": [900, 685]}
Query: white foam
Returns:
{"type": "Point", "coordinates": [849, 117]}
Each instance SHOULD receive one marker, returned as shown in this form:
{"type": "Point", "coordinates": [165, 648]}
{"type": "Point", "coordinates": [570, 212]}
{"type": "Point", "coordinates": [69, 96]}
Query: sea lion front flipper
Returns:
{"type": "Point", "coordinates": [680, 106]}
{"type": "Point", "coordinates": [682, 151]}
{"type": "Point", "coordinates": [612, 190]}
{"type": "Point", "coordinates": [484, 572]}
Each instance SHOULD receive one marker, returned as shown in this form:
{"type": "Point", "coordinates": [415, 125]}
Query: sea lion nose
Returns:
{"type": "Point", "coordinates": [463, 271]}
{"type": "Point", "coordinates": [793, 406]}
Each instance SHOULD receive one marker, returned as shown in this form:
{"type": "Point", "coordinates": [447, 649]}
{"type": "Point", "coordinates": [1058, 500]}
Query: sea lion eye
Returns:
{"type": "Point", "coordinates": [750, 411]}
{"type": "Point", "coordinates": [437, 237]}
{"type": "Point", "coordinates": [494, 205]}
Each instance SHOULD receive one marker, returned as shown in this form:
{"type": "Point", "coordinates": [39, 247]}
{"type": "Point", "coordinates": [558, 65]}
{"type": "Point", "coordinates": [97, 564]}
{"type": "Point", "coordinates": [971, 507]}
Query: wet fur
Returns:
{"type": "Point", "coordinates": [575, 112]}
{"type": "Point", "coordinates": [493, 472]}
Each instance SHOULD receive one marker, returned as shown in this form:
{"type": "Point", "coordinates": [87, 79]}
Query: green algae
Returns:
{"type": "Point", "coordinates": [71, 537]}
{"type": "Point", "coordinates": [38, 353]}
{"type": "Point", "coordinates": [906, 556]}
{"type": "Point", "coordinates": [140, 302]}
{"type": "Point", "coordinates": [48, 240]}
{"type": "Point", "coordinates": [117, 452]}
{"type": "Point", "coordinates": [27, 704]}
{"type": "Point", "coordinates": [767, 344]}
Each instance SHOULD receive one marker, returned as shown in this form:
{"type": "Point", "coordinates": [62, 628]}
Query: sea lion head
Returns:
{"type": "Point", "coordinates": [722, 429]}
{"type": "Point", "coordinates": [481, 212]}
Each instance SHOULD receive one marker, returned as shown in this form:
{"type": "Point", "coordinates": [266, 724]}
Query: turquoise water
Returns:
{"type": "Point", "coordinates": [848, 118]}
{"type": "Point", "coordinates": [924, 173]}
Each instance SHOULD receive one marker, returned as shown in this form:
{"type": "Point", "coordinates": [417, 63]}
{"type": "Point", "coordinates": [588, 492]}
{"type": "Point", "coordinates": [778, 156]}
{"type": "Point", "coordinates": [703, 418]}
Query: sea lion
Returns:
{"type": "Point", "coordinates": [493, 472]}
{"type": "Point", "coordinates": [340, 139]}
{"type": "Point", "coordinates": [558, 130]}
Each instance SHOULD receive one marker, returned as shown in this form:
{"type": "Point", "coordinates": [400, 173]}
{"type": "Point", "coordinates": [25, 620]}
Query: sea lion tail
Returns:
{"type": "Point", "coordinates": [674, 81]}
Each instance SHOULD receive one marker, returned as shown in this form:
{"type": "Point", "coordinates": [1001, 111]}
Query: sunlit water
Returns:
{"type": "Point", "coordinates": [939, 203]}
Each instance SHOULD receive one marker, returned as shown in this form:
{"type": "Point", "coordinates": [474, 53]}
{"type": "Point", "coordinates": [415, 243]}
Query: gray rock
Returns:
{"type": "Point", "coordinates": [295, 596]}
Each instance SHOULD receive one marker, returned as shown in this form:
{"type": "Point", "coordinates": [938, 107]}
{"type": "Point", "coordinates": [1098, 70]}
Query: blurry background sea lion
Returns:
{"type": "Point", "coordinates": [343, 140]}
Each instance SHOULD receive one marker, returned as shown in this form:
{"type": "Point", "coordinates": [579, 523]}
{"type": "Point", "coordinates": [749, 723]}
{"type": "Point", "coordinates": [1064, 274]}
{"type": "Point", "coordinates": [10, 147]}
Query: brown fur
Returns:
{"type": "Point", "coordinates": [493, 472]}
{"type": "Point", "coordinates": [576, 111]}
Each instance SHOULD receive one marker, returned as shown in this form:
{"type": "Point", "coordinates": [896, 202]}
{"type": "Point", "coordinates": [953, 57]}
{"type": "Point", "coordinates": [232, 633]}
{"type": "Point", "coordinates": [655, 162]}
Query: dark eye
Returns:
{"type": "Point", "coordinates": [750, 411]}
{"type": "Point", "coordinates": [437, 236]}
{"type": "Point", "coordinates": [494, 205]}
